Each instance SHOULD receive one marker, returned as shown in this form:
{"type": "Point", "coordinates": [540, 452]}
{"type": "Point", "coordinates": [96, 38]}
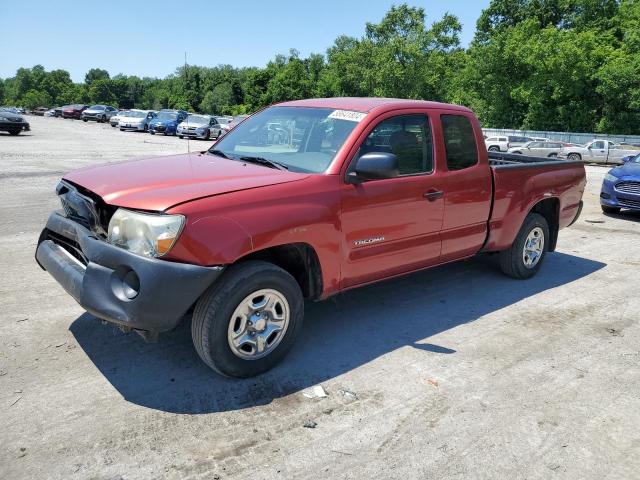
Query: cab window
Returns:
{"type": "Point", "coordinates": [406, 136]}
{"type": "Point", "coordinates": [459, 142]}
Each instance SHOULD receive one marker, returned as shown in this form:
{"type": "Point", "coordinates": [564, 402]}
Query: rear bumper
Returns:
{"type": "Point", "coordinates": [145, 294]}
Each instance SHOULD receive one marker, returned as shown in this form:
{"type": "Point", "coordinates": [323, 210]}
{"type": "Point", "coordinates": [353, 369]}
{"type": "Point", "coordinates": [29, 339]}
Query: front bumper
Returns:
{"type": "Point", "coordinates": [6, 126]}
{"type": "Point", "coordinates": [132, 126]}
{"type": "Point", "coordinates": [610, 197]}
{"type": "Point", "coordinates": [104, 279]}
{"type": "Point", "coordinates": [195, 134]}
{"type": "Point", "coordinates": [164, 129]}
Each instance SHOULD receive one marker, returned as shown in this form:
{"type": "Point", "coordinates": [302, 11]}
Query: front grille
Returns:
{"type": "Point", "coordinates": [628, 187]}
{"type": "Point", "coordinates": [85, 208]}
{"type": "Point", "coordinates": [13, 119]}
{"type": "Point", "coordinates": [159, 128]}
{"type": "Point", "coordinates": [625, 202]}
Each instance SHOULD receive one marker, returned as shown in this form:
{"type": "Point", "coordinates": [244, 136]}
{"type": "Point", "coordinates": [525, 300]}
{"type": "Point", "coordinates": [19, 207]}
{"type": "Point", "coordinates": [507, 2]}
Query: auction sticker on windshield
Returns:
{"type": "Point", "coordinates": [348, 115]}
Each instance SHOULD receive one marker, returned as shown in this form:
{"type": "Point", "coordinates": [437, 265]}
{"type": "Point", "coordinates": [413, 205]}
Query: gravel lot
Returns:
{"type": "Point", "coordinates": [458, 372]}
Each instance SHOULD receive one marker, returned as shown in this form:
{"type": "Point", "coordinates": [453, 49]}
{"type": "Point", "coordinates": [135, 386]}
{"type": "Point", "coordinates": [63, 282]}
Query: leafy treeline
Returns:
{"type": "Point", "coordinates": [571, 65]}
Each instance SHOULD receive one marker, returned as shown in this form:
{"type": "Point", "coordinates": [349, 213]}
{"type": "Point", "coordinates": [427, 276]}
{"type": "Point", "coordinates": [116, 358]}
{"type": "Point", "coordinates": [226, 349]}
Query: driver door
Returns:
{"type": "Point", "coordinates": [392, 226]}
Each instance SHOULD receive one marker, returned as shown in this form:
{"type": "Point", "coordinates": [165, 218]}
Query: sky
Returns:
{"type": "Point", "coordinates": [149, 38]}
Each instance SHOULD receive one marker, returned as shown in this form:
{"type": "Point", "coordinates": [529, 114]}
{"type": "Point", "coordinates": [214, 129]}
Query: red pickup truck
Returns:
{"type": "Point", "coordinates": [302, 200]}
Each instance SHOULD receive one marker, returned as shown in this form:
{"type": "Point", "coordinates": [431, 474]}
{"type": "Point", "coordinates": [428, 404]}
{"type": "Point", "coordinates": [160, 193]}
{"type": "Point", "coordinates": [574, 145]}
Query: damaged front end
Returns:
{"type": "Point", "coordinates": [145, 294]}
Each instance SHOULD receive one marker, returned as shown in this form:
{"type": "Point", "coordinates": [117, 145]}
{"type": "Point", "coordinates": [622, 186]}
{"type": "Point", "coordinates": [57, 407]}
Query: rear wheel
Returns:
{"type": "Point", "coordinates": [607, 209]}
{"type": "Point", "coordinates": [103, 119]}
{"type": "Point", "coordinates": [14, 132]}
{"type": "Point", "coordinates": [524, 258]}
{"type": "Point", "coordinates": [248, 321]}
{"type": "Point", "coordinates": [180, 136]}
{"type": "Point", "coordinates": [575, 157]}
{"type": "Point", "coordinates": [493, 148]}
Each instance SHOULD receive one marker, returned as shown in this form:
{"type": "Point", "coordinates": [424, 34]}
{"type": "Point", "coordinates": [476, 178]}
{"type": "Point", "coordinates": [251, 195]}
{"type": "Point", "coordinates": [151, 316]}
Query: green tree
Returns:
{"type": "Point", "coordinates": [96, 74]}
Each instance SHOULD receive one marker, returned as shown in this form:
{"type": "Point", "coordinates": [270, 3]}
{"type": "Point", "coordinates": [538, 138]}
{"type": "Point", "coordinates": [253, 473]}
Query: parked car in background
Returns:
{"type": "Point", "coordinates": [538, 149]}
{"type": "Point", "coordinates": [39, 112]}
{"type": "Point", "coordinates": [59, 110]}
{"type": "Point", "coordinates": [99, 113]}
{"type": "Point", "coordinates": [137, 120]}
{"type": "Point", "coordinates": [226, 127]}
{"type": "Point", "coordinates": [50, 113]}
{"type": "Point", "coordinates": [166, 122]}
{"type": "Point", "coordinates": [504, 143]}
{"type": "Point", "coordinates": [200, 126]}
{"type": "Point", "coordinates": [74, 111]}
{"type": "Point", "coordinates": [247, 231]}
{"type": "Point", "coordinates": [115, 119]}
{"type": "Point", "coordinates": [12, 122]}
{"type": "Point", "coordinates": [621, 187]}
{"type": "Point", "coordinates": [541, 139]}
{"type": "Point", "coordinates": [598, 151]}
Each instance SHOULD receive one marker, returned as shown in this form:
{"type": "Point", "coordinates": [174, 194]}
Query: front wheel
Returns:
{"type": "Point", "coordinates": [14, 132]}
{"type": "Point", "coordinates": [247, 322]}
{"type": "Point", "coordinates": [84, 120]}
{"type": "Point", "coordinates": [607, 209]}
{"type": "Point", "coordinates": [574, 157]}
{"type": "Point", "coordinates": [180, 136]}
{"type": "Point", "coordinates": [524, 258]}
{"type": "Point", "coordinates": [494, 149]}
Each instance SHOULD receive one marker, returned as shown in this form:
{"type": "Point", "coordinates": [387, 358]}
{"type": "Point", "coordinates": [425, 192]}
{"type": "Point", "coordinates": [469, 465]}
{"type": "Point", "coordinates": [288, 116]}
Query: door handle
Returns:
{"type": "Point", "coordinates": [432, 195]}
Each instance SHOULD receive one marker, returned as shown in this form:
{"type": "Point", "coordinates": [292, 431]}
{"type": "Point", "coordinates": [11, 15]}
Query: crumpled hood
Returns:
{"type": "Point", "coordinates": [159, 183]}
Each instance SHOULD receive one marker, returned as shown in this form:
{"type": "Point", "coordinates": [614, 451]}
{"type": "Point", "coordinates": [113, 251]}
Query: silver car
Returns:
{"type": "Point", "coordinates": [137, 120]}
{"type": "Point", "coordinates": [545, 149]}
{"type": "Point", "coordinates": [99, 113]}
{"type": "Point", "coordinates": [200, 126]}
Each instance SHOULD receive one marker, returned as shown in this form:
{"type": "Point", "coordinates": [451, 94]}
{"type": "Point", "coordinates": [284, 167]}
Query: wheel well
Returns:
{"type": "Point", "coordinates": [300, 260]}
{"type": "Point", "coordinates": [550, 210]}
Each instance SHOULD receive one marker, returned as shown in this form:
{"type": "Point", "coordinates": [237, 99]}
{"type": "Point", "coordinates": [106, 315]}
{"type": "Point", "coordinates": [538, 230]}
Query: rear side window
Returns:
{"type": "Point", "coordinates": [459, 142]}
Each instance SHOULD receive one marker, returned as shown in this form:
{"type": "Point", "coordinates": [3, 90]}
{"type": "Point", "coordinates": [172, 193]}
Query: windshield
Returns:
{"type": "Point", "coordinates": [302, 139]}
{"type": "Point", "coordinates": [197, 119]}
{"type": "Point", "coordinates": [97, 107]}
{"type": "Point", "coordinates": [167, 116]}
{"type": "Point", "coordinates": [134, 114]}
{"type": "Point", "coordinates": [636, 159]}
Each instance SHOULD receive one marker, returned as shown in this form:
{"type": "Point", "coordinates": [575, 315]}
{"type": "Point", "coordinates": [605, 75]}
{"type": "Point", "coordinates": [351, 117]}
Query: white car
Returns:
{"type": "Point", "coordinates": [50, 113]}
{"type": "Point", "coordinates": [137, 120]}
{"type": "Point", "coordinates": [200, 126]}
{"type": "Point", "coordinates": [544, 148]}
{"type": "Point", "coordinates": [504, 143]}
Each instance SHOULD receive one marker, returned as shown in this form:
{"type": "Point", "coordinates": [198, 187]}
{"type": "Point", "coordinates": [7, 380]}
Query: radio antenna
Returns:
{"type": "Point", "coordinates": [187, 119]}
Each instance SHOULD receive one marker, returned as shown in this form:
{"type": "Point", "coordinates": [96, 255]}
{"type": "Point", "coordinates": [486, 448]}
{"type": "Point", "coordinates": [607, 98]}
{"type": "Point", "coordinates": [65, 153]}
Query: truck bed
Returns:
{"type": "Point", "coordinates": [512, 160]}
{"type": "Point", "coordinates": [519, 182]}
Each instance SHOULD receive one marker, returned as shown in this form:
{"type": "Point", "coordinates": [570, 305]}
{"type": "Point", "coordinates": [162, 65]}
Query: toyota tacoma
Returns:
{"type": "Point", "coordinates": [301, 201]}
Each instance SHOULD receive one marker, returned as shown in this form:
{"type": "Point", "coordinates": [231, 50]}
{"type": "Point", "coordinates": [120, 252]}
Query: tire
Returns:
{"type": "Point", "coordinates": [180, 136]}
{"type": "Point", "coordinates": [103, 119]}
{"type": "Point", "coordinates": [113, 126]}
{"type": "Point", "coordinates": [607, 209]}
{"type": "Point", "coordinates": [553, 155]}
{"type": "Point", "coordinates": [208, 135]}
{"type": "Point", "coordinates": [493, 148]}
{"type": "Point", "coordinates": [152, 132]}
{"type": "Point", "coordinates": [146, 128]}
{"type": "Point", "coordinates": [574, 157]}
{"type": "Point", "coordinates": [122, 129]}
{"type": "Point", "coordinates": [214, 313]}
{"type": "Point", "coordinates": [512, 260]}
{"type": "Point", "coordinates": [84, 120]}
{"type": "Point", "coordinates": [14, 132]}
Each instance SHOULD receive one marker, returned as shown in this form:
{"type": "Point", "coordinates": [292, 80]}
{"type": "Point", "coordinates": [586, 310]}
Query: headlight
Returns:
{"type": "Point", "coordinates": [4, 119]}
{"type": "Point", "coordinates": [610, 178]}
{"type": "Point", "coordinates": [144, 234]}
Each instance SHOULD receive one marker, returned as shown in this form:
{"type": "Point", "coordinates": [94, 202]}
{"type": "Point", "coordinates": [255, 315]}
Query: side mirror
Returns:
{"type": "Point", "coordinates": [374, 166]}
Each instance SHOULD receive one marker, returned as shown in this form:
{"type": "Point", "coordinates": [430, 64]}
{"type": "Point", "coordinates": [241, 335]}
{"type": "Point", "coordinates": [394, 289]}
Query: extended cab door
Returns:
{"type": "Point", "coordinates": [467, 185]}
{"type": "Point", "coordinates": [391, 226]}
{"type": "Point", "coordinates": [598, 151]}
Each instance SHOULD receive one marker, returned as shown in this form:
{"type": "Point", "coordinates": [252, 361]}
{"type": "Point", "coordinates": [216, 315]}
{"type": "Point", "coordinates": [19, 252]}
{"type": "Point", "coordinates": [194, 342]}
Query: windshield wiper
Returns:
{"type": "Point", "coordinates": [265, 161]}
{"type": "Point", "coordinates": [220, 153]}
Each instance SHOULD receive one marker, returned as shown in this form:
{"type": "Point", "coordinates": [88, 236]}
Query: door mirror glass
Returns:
{"type": "Point", "coordinates": [375, 166]}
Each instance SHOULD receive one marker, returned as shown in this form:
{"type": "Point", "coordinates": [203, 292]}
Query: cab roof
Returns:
{"type": "Point", "coordinates": [363, 104]}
